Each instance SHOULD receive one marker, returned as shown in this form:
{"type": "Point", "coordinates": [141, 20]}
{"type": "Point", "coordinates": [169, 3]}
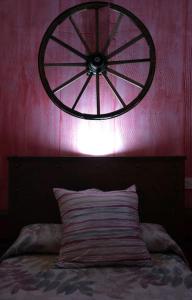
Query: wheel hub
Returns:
{"type": "Point", "coordinates": [96, 64]}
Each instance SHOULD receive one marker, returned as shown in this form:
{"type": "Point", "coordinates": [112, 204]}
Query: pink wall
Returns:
{"type": "Point", "coordinates": [30, 124]}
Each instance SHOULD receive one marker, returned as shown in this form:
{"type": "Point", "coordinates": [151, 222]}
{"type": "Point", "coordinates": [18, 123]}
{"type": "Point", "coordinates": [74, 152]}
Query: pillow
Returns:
{"type": "Point", "coordinates": [46, 238]}
{"type": "Point", "coordinates": [157, 239]}
{"type": "Point", "coordinates": [36, 238]}
{"type": "Point", "coordinates": [100, 229]}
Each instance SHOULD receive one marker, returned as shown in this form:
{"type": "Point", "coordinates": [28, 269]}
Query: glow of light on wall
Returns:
{"type": "Point", "coordinates": [98, 138]}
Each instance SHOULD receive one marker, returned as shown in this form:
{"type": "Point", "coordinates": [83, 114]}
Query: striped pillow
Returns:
{"type": "Point", "coordinates": [100, 229]}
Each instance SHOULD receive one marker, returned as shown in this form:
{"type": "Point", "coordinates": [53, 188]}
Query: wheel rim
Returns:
{"type": "Point", "coordinates": [99, 64]}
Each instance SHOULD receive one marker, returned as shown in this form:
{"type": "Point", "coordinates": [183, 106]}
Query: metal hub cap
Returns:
{"type": "Point", "coordinates": [96, 64]}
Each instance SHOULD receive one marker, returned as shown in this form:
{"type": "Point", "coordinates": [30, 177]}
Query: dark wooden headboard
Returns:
{"type": "Point", "coordinates": [159, 180]}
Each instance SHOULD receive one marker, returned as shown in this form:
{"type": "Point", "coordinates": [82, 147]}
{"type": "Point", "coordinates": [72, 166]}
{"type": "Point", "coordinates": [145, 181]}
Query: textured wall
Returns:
{"type": "Point", "coordinates": [30, 124]}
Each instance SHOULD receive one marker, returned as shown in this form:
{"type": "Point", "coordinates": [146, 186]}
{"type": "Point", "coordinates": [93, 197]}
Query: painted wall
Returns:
{"type": "Point", "coordinates": [30, 124]}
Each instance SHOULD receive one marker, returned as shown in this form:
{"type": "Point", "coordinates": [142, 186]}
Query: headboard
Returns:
{"type": "Point", "coordinates": [159, 181]}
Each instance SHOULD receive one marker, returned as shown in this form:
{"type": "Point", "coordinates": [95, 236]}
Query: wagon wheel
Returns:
{"type": "Point", "coordinates": [98, 62]}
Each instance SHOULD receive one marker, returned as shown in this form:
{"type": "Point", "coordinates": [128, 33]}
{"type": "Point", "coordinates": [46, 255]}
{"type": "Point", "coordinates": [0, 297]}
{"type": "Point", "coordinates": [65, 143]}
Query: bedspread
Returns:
{"type": "Point", "coordinates": [35, 277]}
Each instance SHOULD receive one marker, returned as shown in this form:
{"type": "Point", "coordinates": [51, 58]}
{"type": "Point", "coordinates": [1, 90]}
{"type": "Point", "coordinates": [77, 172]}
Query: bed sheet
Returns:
{"type": "Point", "coordinates": [35, 277]}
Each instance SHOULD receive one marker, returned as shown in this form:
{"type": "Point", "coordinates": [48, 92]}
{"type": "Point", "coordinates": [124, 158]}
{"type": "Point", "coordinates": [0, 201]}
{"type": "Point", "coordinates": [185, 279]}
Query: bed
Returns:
{"type": "Point", "coordinates": [60, 252]}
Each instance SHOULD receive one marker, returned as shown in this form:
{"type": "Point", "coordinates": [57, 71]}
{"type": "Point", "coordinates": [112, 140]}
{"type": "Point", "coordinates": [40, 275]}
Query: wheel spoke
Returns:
{"type": "Point", "coordinates": [114, 89]}
{"type": "Point", "coordinates": [97, 29]}
{"type": "Point", "coordinates": [132, 81]}
{"type": "Point", "coordinates": [68, 47]}
{"type": "Point", "coordinates": [79, 34]}
{"type": "Point", "coordinates": [60, 87]}
{"type": "Point", "coordinates": [126, 45]}
{"type": "Point", "coordinates": [82, 91]}
{"type": "Point", "coordinates": [65, 64]}
{"type": "Point", "coordinates": [129, 61]}
{"type": "Point", "coordinates": [113, 32]}
{"type": "Point", "coordinates": [97, 94]}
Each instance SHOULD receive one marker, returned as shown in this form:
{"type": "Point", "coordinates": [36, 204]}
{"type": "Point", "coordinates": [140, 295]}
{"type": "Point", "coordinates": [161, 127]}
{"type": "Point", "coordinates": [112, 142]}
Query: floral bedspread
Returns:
{"type": "Point", "coordinates": [35, 277]}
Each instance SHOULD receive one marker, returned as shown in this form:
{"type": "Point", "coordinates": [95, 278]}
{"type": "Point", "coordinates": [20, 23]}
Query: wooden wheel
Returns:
{"type": "Point", "coordinates": [101, 58]}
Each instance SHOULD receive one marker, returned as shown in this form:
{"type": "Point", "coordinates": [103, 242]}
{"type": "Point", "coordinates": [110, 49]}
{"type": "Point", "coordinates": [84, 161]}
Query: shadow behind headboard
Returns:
{"type": "Point", "coordinates": [159, 180]}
